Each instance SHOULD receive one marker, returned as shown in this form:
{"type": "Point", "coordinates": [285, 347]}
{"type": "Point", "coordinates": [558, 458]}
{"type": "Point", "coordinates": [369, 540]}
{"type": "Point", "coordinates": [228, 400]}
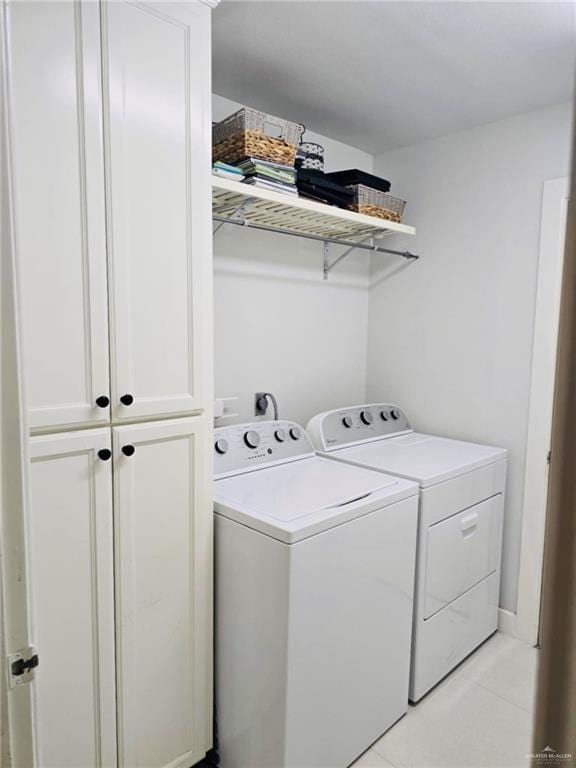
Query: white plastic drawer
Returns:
{"type": "Point", "coordinates": [462, 550]}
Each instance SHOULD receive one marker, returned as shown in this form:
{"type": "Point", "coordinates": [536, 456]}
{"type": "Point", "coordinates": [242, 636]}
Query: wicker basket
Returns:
{"type": "Point", "coordinates": [372, 202]}
{"type": "Point", "coordinates": [249, 133]}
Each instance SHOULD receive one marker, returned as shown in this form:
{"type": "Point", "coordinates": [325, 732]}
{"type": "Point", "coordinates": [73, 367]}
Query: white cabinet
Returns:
{"type": "Point", "coordinates": [70, 555]}
{"type": "Point", "coordinates": [156, 64]}
{"type": "Point", "coordinates": [58, 187]}
{"type": "Point", "coordinates": [109, 127]}
{"type": "Point", "coordinates": [110, 123]}
{"type": "Point", "coordinates": [163, 571]}
{"type": "Point", "coordinates": [161, 623]}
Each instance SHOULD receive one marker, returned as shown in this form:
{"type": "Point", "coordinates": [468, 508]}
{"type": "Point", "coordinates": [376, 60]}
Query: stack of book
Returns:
{"type": "Point", "coordinates": [225, 171]}
{"type": "Point", "coordinates": [266, 175]}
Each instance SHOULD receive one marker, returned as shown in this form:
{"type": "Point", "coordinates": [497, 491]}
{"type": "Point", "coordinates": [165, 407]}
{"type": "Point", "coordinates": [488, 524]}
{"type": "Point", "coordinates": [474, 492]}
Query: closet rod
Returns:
{"type": "Point", "coordinates": [307, 236]}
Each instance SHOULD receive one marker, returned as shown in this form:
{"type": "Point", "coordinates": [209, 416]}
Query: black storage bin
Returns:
{"type": "Point", "coordinates": [316, 185]}
{"type": "Point", "coordinates": [354, 176]}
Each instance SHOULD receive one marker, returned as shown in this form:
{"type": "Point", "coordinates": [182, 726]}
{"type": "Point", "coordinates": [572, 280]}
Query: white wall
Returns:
{"type": "Point", "coordinates": [278, 326]}
{"type": "Point", "coordinates": [450, 336]}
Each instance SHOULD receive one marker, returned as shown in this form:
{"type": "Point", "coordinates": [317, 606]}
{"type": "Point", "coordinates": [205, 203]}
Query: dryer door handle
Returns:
{"type": "Point", "coordinates": [468, 523]}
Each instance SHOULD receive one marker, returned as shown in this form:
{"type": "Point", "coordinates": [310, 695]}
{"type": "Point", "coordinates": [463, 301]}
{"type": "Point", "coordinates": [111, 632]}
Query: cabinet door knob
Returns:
{"type": "Point", "coordinates": [102, 401]}
{"type": "Point", "coordinates": [127, 399]}
{"type": "Point", "coordinates": [128, 450]}
{"type": "Point", "coordinates": [104, 454]}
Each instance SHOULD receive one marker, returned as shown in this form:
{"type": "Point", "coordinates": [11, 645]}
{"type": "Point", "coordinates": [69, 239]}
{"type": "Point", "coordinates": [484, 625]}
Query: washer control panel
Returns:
{"type": "Point", "coordinates": [335, 429]}
{"type": "Point", "coordinates": [243, 447]}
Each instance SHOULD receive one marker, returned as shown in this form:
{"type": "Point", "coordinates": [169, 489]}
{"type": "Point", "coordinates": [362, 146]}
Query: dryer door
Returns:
{"type": "Point", "coordinates": [462, 550]}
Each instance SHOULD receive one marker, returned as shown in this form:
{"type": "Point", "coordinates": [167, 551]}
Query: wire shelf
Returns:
{"type": "Point", "coordinates": [300, 216]}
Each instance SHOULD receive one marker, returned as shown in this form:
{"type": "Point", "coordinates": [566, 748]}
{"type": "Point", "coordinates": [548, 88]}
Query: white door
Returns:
{"type": "Point", "coordinates": [70, 560]}
{"type": "Point", "coordinates": [461, 550]}
{"type": "Point", "coordinates": [58, 184]}
{"type": "Point", "coordinates": [163, 518]}
{"type": "Point", "coordinates": [157, 91]}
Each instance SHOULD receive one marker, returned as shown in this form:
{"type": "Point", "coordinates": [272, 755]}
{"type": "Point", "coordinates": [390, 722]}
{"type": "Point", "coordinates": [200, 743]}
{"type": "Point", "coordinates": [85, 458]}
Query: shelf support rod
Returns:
{"type": "Point", "coordinates": [319, 238]}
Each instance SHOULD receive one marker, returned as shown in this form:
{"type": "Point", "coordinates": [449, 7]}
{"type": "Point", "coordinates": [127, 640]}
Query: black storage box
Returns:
{"type": "Point", "coordinates": [354, 176]}
{"type": "Point", "coordinates": [316, 185]}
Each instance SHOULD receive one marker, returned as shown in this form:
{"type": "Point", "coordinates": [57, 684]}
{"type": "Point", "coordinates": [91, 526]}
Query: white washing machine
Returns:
{"type": "Point", "coordinates": [459, 530]}
{"type": "Point", "coordinates": [314, 576]}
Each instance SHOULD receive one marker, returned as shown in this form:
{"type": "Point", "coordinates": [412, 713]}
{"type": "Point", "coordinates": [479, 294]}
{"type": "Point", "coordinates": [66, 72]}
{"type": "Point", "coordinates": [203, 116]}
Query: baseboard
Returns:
{"type": "Point", "coordinates": [507, 622]}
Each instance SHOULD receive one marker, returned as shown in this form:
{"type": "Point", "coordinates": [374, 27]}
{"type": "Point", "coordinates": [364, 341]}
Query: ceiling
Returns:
{"type": "Point", "coordinates": [379, 75]}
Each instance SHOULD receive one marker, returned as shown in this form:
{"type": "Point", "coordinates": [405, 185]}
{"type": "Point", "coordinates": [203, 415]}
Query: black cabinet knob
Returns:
{"type": "Point", "coordinates": [104, 454]}
{"type": "Point", "coordinates": [103, 401]}
{"type": "Point", "coordinates": [128, 450]}
{"type": "Point", "coordinates": [127, 399]}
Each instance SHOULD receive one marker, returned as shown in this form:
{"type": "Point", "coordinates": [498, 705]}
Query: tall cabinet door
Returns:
{"type": "Point", "coordinates": [157, 117]}
{"type": "Point", "coordinates": [70, 557]}
{"type": "Point", "coordinates": [163, 508]}
{"type": "Point", "coordinates": [58, 186]}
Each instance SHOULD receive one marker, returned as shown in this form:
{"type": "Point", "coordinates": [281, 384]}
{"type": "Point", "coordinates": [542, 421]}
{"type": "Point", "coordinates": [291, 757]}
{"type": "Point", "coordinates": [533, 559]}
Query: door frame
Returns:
{"type": "Point", "coordinates": [543, 374]}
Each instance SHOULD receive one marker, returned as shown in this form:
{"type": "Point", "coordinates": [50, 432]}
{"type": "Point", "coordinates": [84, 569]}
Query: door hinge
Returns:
{"type": "Point", "coordinates": [549, 457]}
{"type": "Point", "coordinates": [21, 666]}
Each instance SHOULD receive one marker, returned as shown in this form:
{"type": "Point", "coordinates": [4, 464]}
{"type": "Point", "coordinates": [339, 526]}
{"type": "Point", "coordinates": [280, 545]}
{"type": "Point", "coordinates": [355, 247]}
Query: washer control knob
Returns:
{"type": "Point", "coordinates": [395, 413]}
{"type": "Point", "coordinates": [280, 435]}
{"type": "Point", "coordinates": [295, 433]}
{"type": "Point", "coordinates": [221, 446]}
{"type": "Point", "coordinates": [384, 415]}
{"type": "Point", "coordinates": [366, 417]}
{"type": "Point", "coordinates": [347, 421]}
{"type": "Point", "coordinates": [252, 438]}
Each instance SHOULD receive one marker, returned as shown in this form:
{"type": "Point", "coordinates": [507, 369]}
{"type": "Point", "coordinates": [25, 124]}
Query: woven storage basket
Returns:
{"type": "Point", "coordinates": [249, 133]}
{"type": "Point", "coordinates": [372, 202]}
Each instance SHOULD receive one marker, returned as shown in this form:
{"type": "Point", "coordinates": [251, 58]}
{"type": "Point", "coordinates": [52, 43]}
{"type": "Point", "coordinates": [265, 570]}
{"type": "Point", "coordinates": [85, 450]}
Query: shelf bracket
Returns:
{"type": "Point", "coordinates": [325, 262]}
{"type": "Point", "coordinates": [236, 217]}
{"type": "Point", "coordinates": [327, 267]}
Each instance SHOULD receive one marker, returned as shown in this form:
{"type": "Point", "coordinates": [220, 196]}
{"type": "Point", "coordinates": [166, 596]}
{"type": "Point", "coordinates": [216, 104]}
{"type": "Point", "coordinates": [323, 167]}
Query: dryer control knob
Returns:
{"type": "Point", "coordinates": [347, 421]}
{"type": "Point", "coordinates": [280, 435]}
{"type": "Point", "coordinates": [395, 413]}
{"type": "Point", "coordinates": [366, 417]}
{"type": "Point", "coordinates": [221, 446]}
{"type": "Point", "coordinates": [252, 439]}
{"type": "Point", "coordinates": [295, 433]}
{"type": "Point", "coordinates": [384, 415]}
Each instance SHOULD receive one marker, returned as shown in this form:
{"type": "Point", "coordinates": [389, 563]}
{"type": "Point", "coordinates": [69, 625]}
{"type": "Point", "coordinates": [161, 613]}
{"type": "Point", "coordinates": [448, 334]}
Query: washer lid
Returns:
{"type": "Point", "coordinates": [424, 458]}
{"type": "Point", "coordinates": [293, 501]}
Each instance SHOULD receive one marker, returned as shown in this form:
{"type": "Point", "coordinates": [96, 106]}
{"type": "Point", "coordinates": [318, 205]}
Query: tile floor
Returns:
{"type": "Point", "coordinates": [480, 716]}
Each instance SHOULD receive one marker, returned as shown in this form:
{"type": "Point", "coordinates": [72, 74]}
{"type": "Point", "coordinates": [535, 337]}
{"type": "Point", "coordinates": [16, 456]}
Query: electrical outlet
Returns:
{"type": "Point", "coordinates": [260, 403]}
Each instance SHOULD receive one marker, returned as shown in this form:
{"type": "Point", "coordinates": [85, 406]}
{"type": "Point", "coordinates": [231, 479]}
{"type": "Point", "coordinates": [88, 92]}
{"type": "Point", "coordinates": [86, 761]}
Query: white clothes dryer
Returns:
{"type": "Point", "coordinates": [314, 576]}
{"type": "Point", "coordinates": [460, 519]}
